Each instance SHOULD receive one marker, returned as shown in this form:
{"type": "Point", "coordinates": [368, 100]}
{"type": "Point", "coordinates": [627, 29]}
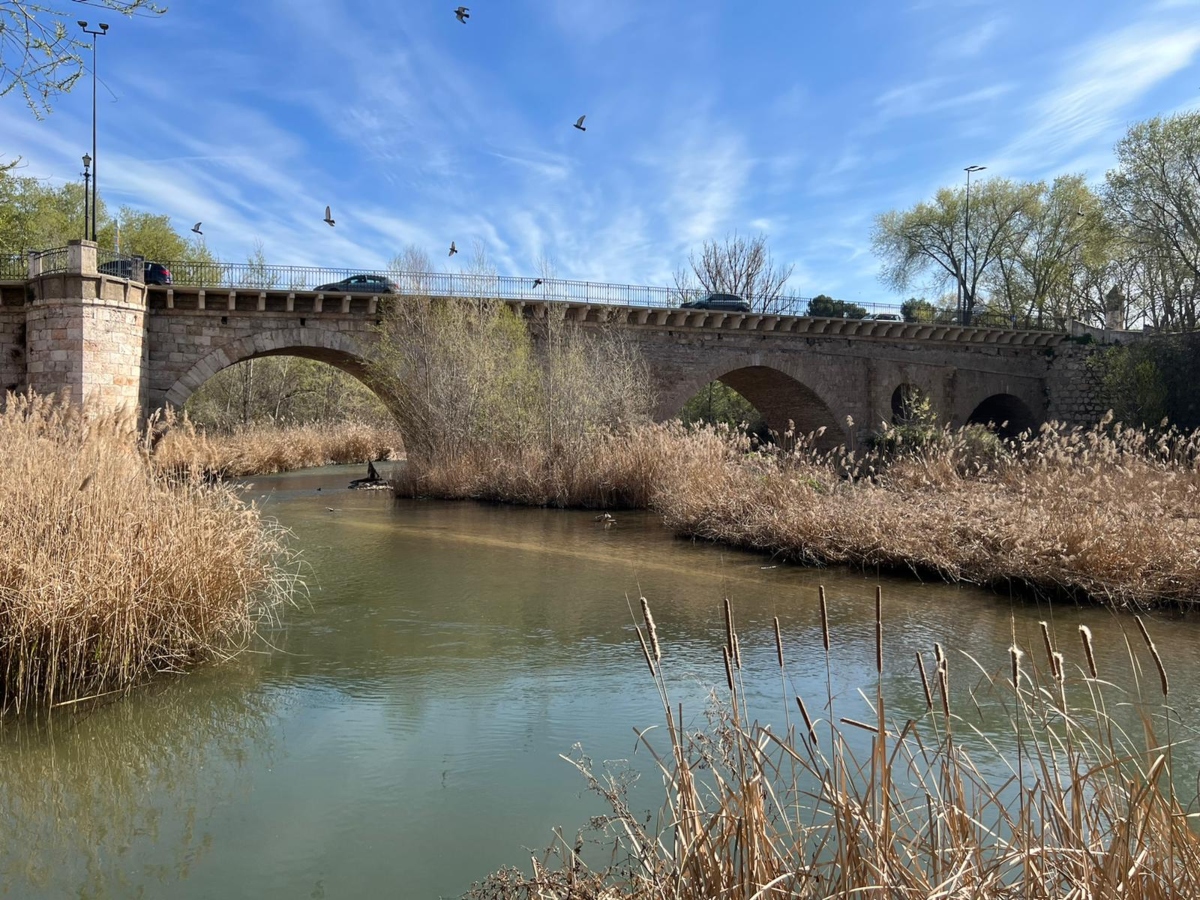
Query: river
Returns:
{"type": "Point", "coordinates": [398, 734]}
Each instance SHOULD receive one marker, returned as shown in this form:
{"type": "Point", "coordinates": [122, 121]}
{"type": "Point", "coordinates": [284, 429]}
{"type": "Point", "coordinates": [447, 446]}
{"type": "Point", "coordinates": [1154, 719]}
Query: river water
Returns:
{"type": "Point", "coordinates": [399, 734]}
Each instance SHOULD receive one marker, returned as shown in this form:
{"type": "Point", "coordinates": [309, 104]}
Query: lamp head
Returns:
{"type": "Point", "coordinates": [87, 162]}
{"type": "Point", "coordinates": [81, 23]}
{"type": "Point", "coordinates": [103, 27]}
{"type": "Point", "coordinates": [974, 168]}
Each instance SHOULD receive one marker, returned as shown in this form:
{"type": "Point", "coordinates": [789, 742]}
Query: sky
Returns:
{"type": "Point", "coordinates": [798, 119]}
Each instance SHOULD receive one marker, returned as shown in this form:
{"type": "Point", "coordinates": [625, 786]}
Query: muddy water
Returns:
{"type": "Point", "coordinates": [400, 734]}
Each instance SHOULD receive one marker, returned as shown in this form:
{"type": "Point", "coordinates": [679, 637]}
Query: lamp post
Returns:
{"type": "Point", "coordinates": [967, 294]}
{"type": "Point", "coordinates": [87, 162]}
{"type": "Point", "coordinates": [95, 172]}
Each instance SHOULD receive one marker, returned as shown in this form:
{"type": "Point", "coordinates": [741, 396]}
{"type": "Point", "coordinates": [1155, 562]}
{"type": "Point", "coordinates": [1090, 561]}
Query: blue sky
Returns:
{"type": "Point", "coordinates": [797, 118]}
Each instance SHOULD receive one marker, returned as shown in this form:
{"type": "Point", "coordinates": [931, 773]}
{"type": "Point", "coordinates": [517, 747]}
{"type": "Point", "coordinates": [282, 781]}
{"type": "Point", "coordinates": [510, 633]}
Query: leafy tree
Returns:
{"type": "Point", "coordinates": [41, 49]}
{"type": "Point", "coordinates": [918, 309]}
{"type": "Point", "coordinates": [719, 404]}
{"type": "Point", "coordinates": [824, 305]}
{"type": "Point", "coordinates": [928, 242]}
{"type": "Point", "coordinates": [1154, 199]}
{"type": "Point", "coordinates": [737, 265]}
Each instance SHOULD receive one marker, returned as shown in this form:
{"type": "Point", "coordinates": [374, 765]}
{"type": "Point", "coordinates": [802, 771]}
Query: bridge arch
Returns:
{"type": "Point", "coordinates": [779, 396]}
{"type": "Point", "coordinates": [323, 345]}
{"type": "Point", "coordinates": [1008, 414]}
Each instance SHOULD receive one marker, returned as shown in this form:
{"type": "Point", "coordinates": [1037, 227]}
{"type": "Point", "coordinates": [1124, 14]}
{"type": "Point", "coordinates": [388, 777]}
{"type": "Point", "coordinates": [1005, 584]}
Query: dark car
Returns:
{"type": "Point", "coordinates": [723, 302]}
{"type": "Point", "coordinates": [152, 272]}
{"type": "Point", "coordinates": [365, 284]}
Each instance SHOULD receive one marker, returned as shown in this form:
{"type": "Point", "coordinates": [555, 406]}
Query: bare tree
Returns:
{"type": "Point", "coordinates": [737, 265]}
{"type": "Point", "coordinates": [411, 268]}
{"type": "Point", "coordinates": [40, 56]}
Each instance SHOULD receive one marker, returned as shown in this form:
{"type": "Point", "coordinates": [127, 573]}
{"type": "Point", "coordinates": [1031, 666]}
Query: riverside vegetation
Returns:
{"type": "Point", "coordinates": [111, 571]}
{"type": "Point", "coordinates": [899, 793]}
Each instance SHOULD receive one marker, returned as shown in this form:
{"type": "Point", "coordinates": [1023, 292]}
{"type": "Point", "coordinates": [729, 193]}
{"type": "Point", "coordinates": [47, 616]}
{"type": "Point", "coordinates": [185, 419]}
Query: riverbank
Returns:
{"type": "Point", "coordinates": [179, 446]}
{"type": "Point", "coordinates": [1105, 515]}
{"type": "Point", "coordinates": [111, 571]}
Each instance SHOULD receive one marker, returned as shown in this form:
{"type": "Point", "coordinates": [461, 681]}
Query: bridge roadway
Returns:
{"type": "Point", "coordinates": [90, 334]}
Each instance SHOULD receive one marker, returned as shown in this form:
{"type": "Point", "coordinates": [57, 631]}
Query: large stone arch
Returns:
{"type": "Point", "coordinates": [1008, 414]}
{"type": "Point", "coordinates": [333, 347]}
{"type": "Point", "coordinates": [779, 396]}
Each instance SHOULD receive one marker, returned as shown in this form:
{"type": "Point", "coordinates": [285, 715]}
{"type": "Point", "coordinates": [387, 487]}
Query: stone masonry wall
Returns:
{"type": "Point", "coordinates": [1075, 395]}
{"type": "Point", "coordinates": [86, 339]}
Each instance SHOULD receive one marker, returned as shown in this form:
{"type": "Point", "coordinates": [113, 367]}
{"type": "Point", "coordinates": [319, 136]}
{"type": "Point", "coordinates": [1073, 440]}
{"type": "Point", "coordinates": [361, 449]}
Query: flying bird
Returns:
{"type": "Point", "coordinates": [537, 282]}
{"type": "Point", "coordinates": [579, 123]}
{"type": "Point", "coordinates": [453, 249]}
{"type": "Point", "coordinates": [463, 13]}
{"type": "Point", "coordinates": [328, 217]}
{"type": "Point", "coordinates": [196, 228]}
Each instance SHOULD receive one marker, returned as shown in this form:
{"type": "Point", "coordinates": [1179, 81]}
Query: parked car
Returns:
{"type": "Point", "coordinates": [723, 302]}
{"type": "Point", "coordinates": [152, 273]}
{"type": "Point", "coordinates": [885, 317]}
{"type": "Point", "coordinates": [364, 284]}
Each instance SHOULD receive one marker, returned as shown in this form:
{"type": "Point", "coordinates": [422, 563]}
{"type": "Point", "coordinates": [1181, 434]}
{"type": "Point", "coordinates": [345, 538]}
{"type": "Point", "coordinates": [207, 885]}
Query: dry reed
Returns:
{"type": "Point", "coordinates": [110, 572]}
{"type": "Point", "coordinates": [1067, 804]}
{"type": "Point", "coordinates": [179, 446]}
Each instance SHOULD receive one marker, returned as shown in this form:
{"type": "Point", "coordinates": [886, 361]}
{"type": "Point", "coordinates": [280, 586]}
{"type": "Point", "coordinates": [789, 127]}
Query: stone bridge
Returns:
{"type": "Point", "coordinates": [84, 334]}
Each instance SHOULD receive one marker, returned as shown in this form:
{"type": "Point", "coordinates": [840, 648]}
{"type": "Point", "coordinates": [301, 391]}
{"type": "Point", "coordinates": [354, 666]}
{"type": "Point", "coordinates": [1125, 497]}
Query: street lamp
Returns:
{"type": "Point", "coordinates": [87, 162]}
{"type": "Point", "coordinates": [96, 171]}
{"type": "Point", "coordinates": [966, 295]}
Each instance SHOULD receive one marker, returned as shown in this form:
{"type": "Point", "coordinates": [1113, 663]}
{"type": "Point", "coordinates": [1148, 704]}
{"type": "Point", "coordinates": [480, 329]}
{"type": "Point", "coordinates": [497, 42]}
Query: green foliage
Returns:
{"type": "Point", "coordinates": [824, 305]}
{"type": "Point", "coordinates": [719, 404]}
{"type": "Point", "coordinates": [283, 390]}
{"type": "Point", "coordinates": [1134, 383]}
{"type": "Point", "coordinates": [918, 309]}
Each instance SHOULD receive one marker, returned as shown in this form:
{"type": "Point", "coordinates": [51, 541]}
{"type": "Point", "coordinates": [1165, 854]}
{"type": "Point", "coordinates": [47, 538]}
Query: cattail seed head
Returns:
{"type": "Point", "coordinates": [728, 668]}
{"type": "Point", "coordinates": [1059, 663]}
{"type": "Point", "coordinates": [808, 722]}
{"type": "Point", "coordinates": [1085, 635]}
{"type": "Point", "coordinates": [824, 619]}
{"type": "Point", "coordinates": [1015, 653]}
{"type": "Point", "coordinates": [1045, 626]}
{"type": "Point", "coordinates": [729, 626]}
{"type": "Point", "coordinates": [651, 631]}
{"type": "Point", "coordinates": [879, 629]}
{"type": "Point", "coordinates": [778, 643]}
{"type": "Point", "coordinates": [1164, 683]}
{"type": "Point", "coordinates": [737, 652]}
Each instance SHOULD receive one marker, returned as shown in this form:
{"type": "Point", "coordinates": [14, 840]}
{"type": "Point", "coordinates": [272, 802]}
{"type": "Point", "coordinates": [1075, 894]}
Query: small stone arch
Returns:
{"type": "Point", "coordinates": [778, 396]}
{"type": "Point", "coordinates": [332, 347]}
{"type": "Point", "coordinates": [906, 400]}
{"type": "Point", "coordinates": [1007, 414]}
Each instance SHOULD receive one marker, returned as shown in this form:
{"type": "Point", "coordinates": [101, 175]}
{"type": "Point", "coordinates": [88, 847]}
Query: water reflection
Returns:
{"type": "Point", "coordinates": [406, 726]}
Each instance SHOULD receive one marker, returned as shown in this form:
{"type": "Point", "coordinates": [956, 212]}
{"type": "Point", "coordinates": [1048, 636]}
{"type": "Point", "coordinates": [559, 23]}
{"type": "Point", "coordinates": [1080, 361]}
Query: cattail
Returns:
{"type": "Point", "coordinates": [1045, 626]}
{"type": "Point", "coordinates": [879, 629]}
{"type": "Point", "coordinates": [1015, 653]}
{"type": "Point", "coordinates": [778, 643]}
{"type": "Point", "coordinates": [1162, 671]}
{"type": "Point", "coordinates": [1085, 635]}
{"type": "Point", "coordinates": [651, 631]}
{"type": "Point", "coordinates": [728, 668]}
{"type": "Point", "coordinates": [924, 681]}
{"type": "Point", "coordinates": [1059, 666]}
{"type": "Point", "coordinates": [944, 685]}
{"type": "Point", "coordinates": [729, 626]}
{"type": "Point", "coordinates": [808, 722]}
{"type": "Point", "coordinates": [737, 652]}
{"type": "Point", "coordinates": [645, 650]}
{"type": "Point", "coordinates": [824, 619]}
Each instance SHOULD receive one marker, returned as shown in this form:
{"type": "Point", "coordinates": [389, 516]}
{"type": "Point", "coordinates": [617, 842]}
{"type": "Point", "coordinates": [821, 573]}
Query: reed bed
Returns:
{"type": "Point", "coordinates": [1106, 514]}
{"type": "Point", "coordinates": [853, 799]}
{"type": "Point", "coordinates": [111, 572]}
{"type": "Point", "coordinates": [180, 446]}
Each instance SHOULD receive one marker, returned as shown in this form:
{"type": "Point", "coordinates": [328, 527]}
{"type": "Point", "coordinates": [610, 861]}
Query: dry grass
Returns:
{"type": "Point", "coordinates": [266, 449]}
{"type": "Point", "coordinates": [110, 572]}
{"type": "Point", "coordinates": [1108, 514]}
{"type": "Point", "coordinates": [855, 801]}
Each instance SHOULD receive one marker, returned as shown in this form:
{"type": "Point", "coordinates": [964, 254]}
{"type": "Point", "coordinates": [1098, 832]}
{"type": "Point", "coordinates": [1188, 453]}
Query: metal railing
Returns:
{"type": "Point", "coordinates": [255, 276]}
{"type": "Point", "coordinates": [14, 266]}
{"type": "Point", "coordinates": [50, 261]}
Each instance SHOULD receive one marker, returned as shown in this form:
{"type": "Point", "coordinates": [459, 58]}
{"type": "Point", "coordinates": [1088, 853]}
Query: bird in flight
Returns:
{"type": "Point", "coordinates": [453, 249]}
{"type": "Point", "coordinates": [463, 13]}
{"type": "Point", "coordinates": [537, 282]}
{"type": "Point", "coordinates": [196, 228]}
{"type": "Point", "coordinates": [579, 123]}
{"type": "Point", "coordinates": [328, 217]}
